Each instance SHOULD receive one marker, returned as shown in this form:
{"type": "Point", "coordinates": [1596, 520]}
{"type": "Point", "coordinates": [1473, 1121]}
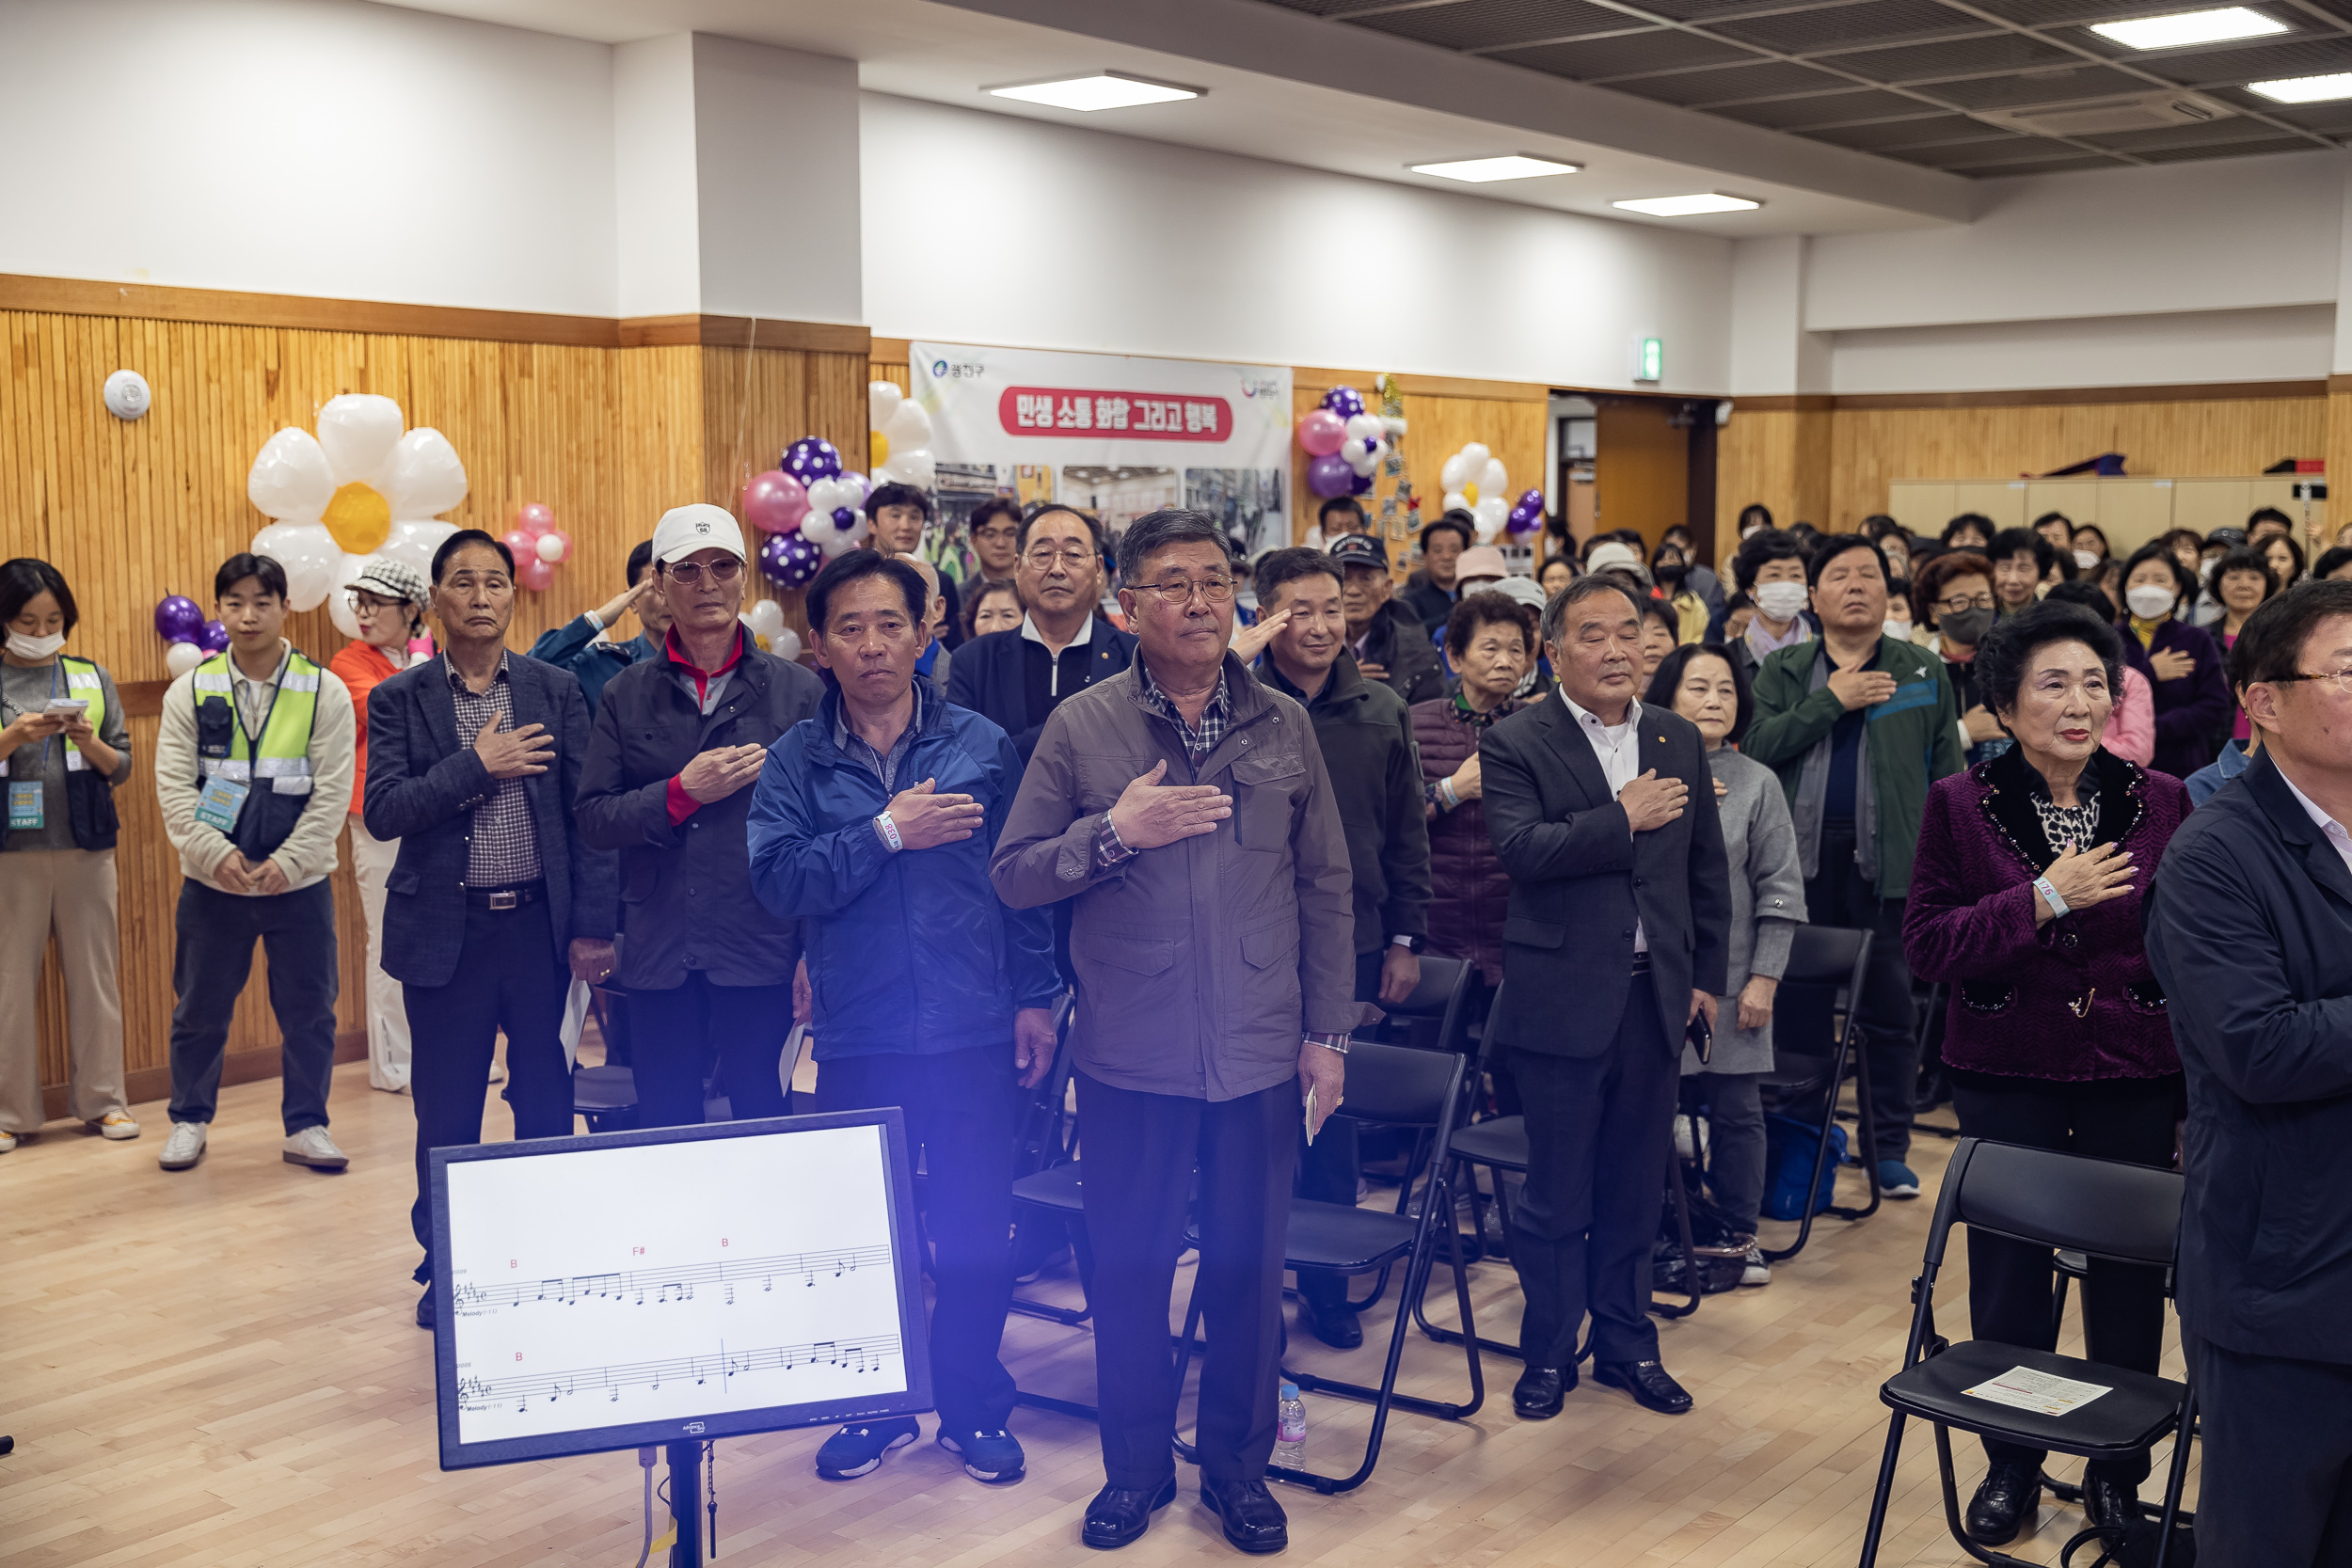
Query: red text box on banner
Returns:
{"type": "Point", "coordinates": [1067, 411]}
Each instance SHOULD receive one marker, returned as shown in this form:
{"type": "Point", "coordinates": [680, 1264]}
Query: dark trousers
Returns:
{"type": "Point", "coordinates": [1735, 1144]}
{"type": "Point", "coordinates": [743, 1027]}
{"type": "Point", "coordinates": [209, 965]}
{"type": "Point", "coordinates": [1841, 895]}
{"type": "Point", "coordinates": [507, 978]}
{"type": "Point", "coordinates": [2276, 1490]}
{"type": "Point", "coordinates": [1329, 1167]}
{"type": "Point", "coordinates": [1141, 1150]}
{"type": "Point", "coordinates": [960, 1112]}
{"type": "Point", "coordinates": [1600, 1130]}
{"type": "Point", "coordinates": [2010, 1283]}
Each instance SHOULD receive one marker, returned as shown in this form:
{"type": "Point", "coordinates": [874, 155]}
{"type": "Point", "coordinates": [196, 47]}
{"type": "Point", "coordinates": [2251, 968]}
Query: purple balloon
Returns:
{"type": "Point", "coordinates": [1525, 518]}
{"type": "Point", "coordinates": [1331, 475]}
{"type": "Point", "coordinates": [790, 560]}
{"type": "Point", "coordinates": [212, 637]}
{"type": "Point", "coordinates": [1533, 498]}
{"type": "Point", "coordinates": [1359, 484]}
{"type": "Point", "coordinates": [810, 459]}
{"type": "Point", "coordinates": [178, 619]}
{"type": "Point", "coordinates": [1346, 402]}
{"type": "Point", "coordinates": [844, 518]}
{"type": "Point", "coordinates": [773, 556]}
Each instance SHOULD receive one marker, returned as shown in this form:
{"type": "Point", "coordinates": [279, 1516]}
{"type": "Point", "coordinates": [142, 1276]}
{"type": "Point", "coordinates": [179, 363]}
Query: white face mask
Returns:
{"type": "Point", "coordinates": [35, 647]}
{"type": "Point", "coordinates": [2086, 560]}
{"type": "Point", "coordinates": [1898, 630]}
{"type": "Point", "coordinates": [1780, 601]}
{"type": "Point", "coordinates": [2148, 601]}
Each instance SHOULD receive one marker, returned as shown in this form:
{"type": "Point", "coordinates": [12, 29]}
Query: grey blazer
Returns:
{"type": "Point", "coordinates": [1767, 903]}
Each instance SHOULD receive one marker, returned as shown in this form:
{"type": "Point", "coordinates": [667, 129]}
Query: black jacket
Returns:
{"type": "Point", "coordinates": [989, 676]}
{"type": "Point", "coordinates": [1366, 733]}
{"type": "Point", "coordinates": [1426, 601]}
{"type": "Point", "coordinates": [1399, 645]}
{"type": "Point", "coordinates": [2248, 924]}
{"type": "Point", "coordinates": [1580, 877]}
{"type": "Point", "coordinates": [424, 781]}
{"type": "Point", "coordinates": [686, 889]}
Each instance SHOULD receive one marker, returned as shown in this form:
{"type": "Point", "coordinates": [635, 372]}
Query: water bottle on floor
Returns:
{"type": "Point", "coordinates": [1290, 1429]}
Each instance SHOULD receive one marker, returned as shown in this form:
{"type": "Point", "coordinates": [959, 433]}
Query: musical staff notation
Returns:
{"type": "Point", "coordinates": [867, 1354]}
{"type": "Point", "coordinates": [658, 1287]}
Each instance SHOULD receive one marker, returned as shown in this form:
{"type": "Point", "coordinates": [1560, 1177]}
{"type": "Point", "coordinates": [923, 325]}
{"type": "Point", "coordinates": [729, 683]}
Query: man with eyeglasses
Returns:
{"type": "Point", "coordinates": [1017, 678]}
{"type": "Point", "coordinates": [678, 741]}
{"type": "Point", "coordinates": [2249, 924]}
{"type": "Point", "coordinates": [995, 527]}
{"type": "Point", "coordinates": [1185, 809]}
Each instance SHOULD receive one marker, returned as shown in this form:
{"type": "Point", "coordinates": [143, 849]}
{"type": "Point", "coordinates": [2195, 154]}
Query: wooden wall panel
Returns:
{"type": "Point", "coordinates": [1640, 469]}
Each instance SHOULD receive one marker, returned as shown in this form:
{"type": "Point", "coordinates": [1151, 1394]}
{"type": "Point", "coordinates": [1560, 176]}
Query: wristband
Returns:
{"type": "Point", "coordinates": [1446, 794]}
{"type": "Point", "coordinates": [889, 831]}
{"type": "Point", "coordinates": [2050, 896]}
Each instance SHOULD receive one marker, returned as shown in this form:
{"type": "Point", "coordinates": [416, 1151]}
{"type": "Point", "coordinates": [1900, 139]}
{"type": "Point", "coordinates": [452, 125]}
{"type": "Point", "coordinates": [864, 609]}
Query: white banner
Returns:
{"type": "Point", "coordinates": [1116, 435]}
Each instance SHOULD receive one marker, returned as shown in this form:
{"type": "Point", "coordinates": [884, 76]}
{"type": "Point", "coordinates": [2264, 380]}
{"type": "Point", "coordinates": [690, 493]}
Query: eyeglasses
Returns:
{"type": "Point", "coordinates": [1956, 603]}
{"type": "Point", "coordinates": [725, 569]}
{"type": "Point", "coordinates": [1179, 591]}
{"type": "Point", "coordinates": [2339, 679]}
{"type": "Point", "coordinates": [1072, 556]}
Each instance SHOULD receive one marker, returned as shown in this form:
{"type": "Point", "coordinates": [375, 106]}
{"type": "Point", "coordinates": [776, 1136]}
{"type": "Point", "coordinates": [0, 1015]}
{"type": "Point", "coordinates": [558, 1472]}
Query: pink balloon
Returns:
{"type": "Point", "coordinates": [525, 546]}
{"type": "Point", "coordinates": [774, 502]}
{"type": "Point", "coordinates": [1321, 432]}
{"type": "Point", "coordinates": [534, 574]}
{"type": "Point", "coordinates": [533, 519]}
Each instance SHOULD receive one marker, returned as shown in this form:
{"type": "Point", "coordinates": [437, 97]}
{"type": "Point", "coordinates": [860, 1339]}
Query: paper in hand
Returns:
{"type": "Point", "coordinates": [1311, 1116]}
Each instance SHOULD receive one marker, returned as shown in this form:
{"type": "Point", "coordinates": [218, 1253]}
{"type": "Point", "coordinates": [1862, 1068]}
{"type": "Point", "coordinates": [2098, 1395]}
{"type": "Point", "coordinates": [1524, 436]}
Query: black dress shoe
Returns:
{"type": "Point", "coordinates": [1253, 1520]}
{"type": "Point", "coordinates": [2110, 1503]}
{"type": "Point", "coordinates": [1647, 1382]}
{"type": "Point", "coordinates": [1538, 1394]}
{"type": "Point", "coordinates": [1121, 1514]}
{"type": "Point", "coordinates": [2005, 1500]}
{"type": "Point", "coordinates": [424, 1308]}
{"type": "Point", "coordinates": [1331, 1322]}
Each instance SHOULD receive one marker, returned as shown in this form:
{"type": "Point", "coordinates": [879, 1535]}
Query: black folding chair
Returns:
{"type": "Point", "coordinates": [1402, 1087]}
{"type": "Point", "coordinates": [2103, 1208]}
{"type": "Point", "coordinates": [1045, 1180]}
{"type": "Point", "coordinates": [1821, 959]}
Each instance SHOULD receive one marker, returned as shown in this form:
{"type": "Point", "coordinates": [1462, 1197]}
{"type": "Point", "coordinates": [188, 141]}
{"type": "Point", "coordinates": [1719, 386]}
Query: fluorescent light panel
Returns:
{"type": "Point", "coordinates": [1688, 206]}
{"type": "Point", "coordinates": [1511, 166]}
{"type": "Point", "coordinates": [2184, 29]}
{"type": "Point", "coordinates": [2305, 90]}
{"type": "Point", "coordinates": [1103, 89]}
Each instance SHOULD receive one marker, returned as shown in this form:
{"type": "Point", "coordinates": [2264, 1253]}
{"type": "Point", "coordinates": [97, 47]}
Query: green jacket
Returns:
{"type": "Point", "coordinates": [1913, 736]}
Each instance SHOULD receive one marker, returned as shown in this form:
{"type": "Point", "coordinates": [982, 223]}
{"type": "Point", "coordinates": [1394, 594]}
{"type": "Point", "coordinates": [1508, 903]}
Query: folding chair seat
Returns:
{"type": "Point", "coordinates": [605, 1096]}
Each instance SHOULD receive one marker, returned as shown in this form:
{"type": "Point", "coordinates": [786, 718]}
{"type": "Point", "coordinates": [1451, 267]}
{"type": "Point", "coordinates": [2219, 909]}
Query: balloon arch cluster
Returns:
{"type": "Point", "coordinates": [1346, 442]}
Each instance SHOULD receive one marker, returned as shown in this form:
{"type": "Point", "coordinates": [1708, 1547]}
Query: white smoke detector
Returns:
{"type": "Point", "coordinates": [127, 396]}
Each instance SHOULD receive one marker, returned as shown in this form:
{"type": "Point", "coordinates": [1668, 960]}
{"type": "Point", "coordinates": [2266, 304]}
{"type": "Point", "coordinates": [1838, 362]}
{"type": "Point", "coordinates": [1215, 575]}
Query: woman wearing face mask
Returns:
{"type": "Point", "coordinates": [2180, 661]}
{"type": "Point", "coordinates": [57, 854]}
{"type": "Point", "coordinates": [1970, 530]}
{"type": "Point", "coordinates": [1770, 571]}
{"type": "Point", "coordinates": [388, 600]}
{"type": "Point", "coordinates": [2025, 899]}
{"type": "Point", "coordinates": [1954, 595]}
{"type": "Point", "coordinates": [1754, 518]}
{"type": "Point", "coordinates": [1766, 905]}
{"type": "Point", "coordinates": [2090, 544]}
{"type": "Point", "coordinates": [1670, 569]}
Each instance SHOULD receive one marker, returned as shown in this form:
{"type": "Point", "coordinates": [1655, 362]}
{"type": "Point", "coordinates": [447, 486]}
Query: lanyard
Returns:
{"type": "Point", "coordinates": [278, 688]}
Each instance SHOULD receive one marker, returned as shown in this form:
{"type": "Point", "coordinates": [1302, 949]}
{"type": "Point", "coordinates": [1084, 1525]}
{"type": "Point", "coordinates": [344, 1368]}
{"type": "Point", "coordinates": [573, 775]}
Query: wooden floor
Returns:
{"type": "Point", "coordinates": [219, 1368]}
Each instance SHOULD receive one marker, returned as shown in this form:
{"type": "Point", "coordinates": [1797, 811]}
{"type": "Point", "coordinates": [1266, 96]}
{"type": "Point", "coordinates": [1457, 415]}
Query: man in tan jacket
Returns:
{"type": "Point", "coordinates": [1186, 807]}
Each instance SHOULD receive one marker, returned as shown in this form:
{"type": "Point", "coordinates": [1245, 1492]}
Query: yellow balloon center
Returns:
{"type": "Point", "coordinates": [358, 520]}
{"type": "Point", "coordinates": [1469, 493]}
{"type": "Point", "coordinates": [880, 445]}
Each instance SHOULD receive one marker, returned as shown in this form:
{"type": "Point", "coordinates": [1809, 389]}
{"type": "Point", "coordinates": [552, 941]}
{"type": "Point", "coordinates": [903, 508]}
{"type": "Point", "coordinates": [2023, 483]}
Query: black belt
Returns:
{"type": "Point", "coordinates": [1641, 963]}
{"type": "Point", "coordinates": [505, 898]}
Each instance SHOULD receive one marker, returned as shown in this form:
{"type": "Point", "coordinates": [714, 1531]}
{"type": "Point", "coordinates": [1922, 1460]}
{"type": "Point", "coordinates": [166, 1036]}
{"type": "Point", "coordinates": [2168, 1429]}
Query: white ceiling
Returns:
{"type": "Point", "coordinates": [1297, 90]}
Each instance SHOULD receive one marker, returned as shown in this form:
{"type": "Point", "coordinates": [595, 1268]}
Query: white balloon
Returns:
{"type": "Point", "coordinates": [1363, 459]}
{"type": "Point", "coordinates": [1475, 455]}
{"type": "Point", "coordinates": [309, 555]}
{"type": "Point", "coordinates": [425, 478]}
{"type": "Point", "coordinates": [339, 608]}
{"type": "Point", "coordinates": [359, 431]}
{"type": "Point", "coordinates": [908, 427]}
{"type": "Point", "coordinates": [1364, 427]}
{"type": "Point", "coordinates": [917, 468]}
{"type": "Point", "coordinates": [825, 494]}
{"type": "Point", "coordinates": [552, 549]}
{"type": "Point", "coordinates": [1492, 512]}
{"type": "Point", "coordinates": [882, 400]}
{"type": "Point", "coordinates": [839, 541]}
{"type": "Point", "coordinates": [289, 477]}
{"type": "Point", "coordinates": [1456, 501]}
{"type": "Point", "coordinates": [1455, 473]}
{"type": "Point", "coordinates": [785, 643]}
{"type": "Point", "coordinates": [413, 540]}
{"type": "Point", "coordinates": [181, 657]}
{"type": "Point", "coordinates": [766, 618]}
{"type": "Point", "coordinates": [1492, 479]}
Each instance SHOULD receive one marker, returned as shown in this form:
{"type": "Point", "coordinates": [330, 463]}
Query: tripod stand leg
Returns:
{"type": "Point", "coordinates": [686, 1486]}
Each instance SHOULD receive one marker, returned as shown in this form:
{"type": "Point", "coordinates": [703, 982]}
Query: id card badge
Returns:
{"type": "Point", "coordinates": [218, 802]}
{"type": "Point", "coordinates": [24, 805]}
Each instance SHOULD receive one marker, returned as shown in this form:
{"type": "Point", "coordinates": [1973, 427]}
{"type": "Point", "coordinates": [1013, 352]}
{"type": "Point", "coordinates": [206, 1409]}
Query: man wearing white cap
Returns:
{"type": "Point", "coordinates": [678, 739]}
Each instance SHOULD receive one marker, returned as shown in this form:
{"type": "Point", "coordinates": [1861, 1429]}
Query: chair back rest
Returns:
{"type": "Point", "coordinates": [2104, 1207]}
{"type": "Point", "coordinates": [1044, 1138]}
{"type": "Point", "coordinates": [1402, 1088]}
{"type": "Point", "coordinates": [1431, 1018]}
{"type": "Point", "coordinates": [1827, 955]}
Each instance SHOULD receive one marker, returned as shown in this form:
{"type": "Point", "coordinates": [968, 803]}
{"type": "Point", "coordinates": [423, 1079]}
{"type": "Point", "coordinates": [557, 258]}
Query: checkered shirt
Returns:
{"type": "Point", "coordinates": [504, 852]}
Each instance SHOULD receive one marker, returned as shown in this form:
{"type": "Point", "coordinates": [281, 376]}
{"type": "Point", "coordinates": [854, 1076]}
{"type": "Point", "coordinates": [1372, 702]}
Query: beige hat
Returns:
{"type": "Point", "coordinates": [684, 530]}
{"type": "Point", "coordinates": [1480, 560]}
{"type": "Point", "coordinates": [1615, 553]}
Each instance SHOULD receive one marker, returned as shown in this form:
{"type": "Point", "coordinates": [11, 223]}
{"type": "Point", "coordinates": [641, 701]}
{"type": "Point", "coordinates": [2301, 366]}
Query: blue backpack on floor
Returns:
{"type": "Point", "coordinates": [1790, 1146]}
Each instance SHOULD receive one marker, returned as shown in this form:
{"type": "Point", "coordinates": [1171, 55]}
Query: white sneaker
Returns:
{"type": "Point", "coordinates": [8, 1142]}
{"type": "Point", "coordinates": [312, 1147]}
{"type": "Point", "coordinates": [185, 1148]}
{"type": "Point", "coordinates": [1758, 1272]}
{"type": "Point", "coordinates": [116, 1125]}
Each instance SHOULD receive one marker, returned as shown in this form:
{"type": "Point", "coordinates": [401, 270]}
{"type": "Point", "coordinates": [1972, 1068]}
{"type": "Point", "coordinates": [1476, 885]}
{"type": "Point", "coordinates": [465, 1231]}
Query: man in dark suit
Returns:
{"type": "Point", "coordinates": [473, 763]}
{"type": "Point", "coordinates": [2249, 924]}
{"type": "Point", "coordinates": [1017, 678]}
{"type": "Point", "coordinates": [1603, 813]}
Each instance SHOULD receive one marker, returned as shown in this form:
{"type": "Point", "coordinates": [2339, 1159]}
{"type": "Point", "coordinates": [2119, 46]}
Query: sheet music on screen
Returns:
{"type": "Point", "coordinates": [603, 1287]}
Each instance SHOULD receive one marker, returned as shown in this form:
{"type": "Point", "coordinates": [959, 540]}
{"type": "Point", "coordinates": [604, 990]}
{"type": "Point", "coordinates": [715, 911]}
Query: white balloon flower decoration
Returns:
{"type": "Point", "coordinates": [901, 437]}
{"type": "Point", "coordinates": [1475, 482]}
{"type": "Point", "coordinates": [360, 489]}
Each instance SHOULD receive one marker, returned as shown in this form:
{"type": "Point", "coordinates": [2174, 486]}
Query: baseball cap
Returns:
{"type": "Point", "coordinates": [1618, 555]}
{"type": "Point", "coordinates": [684, 530]}
{"type": "Point", "coordinates": [1480, 560]}
{"type": "Point", "coordinates": [392, 580]}
{"type": "Point", "coordinates": [2231, 536]}
{"type": "Point", "coordinates": [1359, 550]}
{"type": "Point", "coordinates": [1526, 591]}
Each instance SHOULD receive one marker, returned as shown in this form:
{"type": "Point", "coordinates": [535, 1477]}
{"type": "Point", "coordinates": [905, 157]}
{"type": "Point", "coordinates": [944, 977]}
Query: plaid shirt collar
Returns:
{"type": "Point", "coordinates": [458, 681]}
{"type": "Point", "coordinates": [1198, 741]}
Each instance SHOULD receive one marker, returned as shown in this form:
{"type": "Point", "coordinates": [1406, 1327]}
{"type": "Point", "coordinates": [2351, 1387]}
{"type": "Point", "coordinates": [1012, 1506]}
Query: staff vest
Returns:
{"type": "Point", "coordinates": [90, 800]}
{"type": "Point", "coordinates": [278, 777]}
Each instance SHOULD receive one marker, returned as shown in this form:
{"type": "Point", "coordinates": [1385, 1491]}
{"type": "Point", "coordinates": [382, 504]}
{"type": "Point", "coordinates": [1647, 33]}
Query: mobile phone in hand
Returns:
{"type": "Point", "coordinates": [69, 704]}
{"type": "Point", "coordinates": [1701, 1038]}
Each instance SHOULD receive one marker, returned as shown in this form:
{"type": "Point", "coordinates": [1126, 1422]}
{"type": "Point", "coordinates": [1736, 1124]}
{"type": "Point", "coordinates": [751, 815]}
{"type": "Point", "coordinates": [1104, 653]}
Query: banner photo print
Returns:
{"type": "Point", "coordinates": [1117, 435]}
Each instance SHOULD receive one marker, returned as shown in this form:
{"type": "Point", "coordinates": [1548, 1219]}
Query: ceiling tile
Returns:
{"type": "Point", "coordinates": [1663, 50]}
{"type": "Point", "coordinates": [2055, 13]}
{"type": "Point", "coordinates": [1828, 108]}
{"type": "Point", "coordinates": [1734, 84]}
{"type": "Point", "coordinates": [2070, 163]}
{"type": "Point", "coordinates": [1848, 26]}
{"type": "Point", "coordinates": [1893, 135]}
{"type": "Point", "coordinates": [1491, 23]}
{"type": "Point", "coordinates": [2039, 87]}
{"type": "Point", "coordinates": [2313, 58]}
{"type": "Point", "coordinates": [2230, 149]}
{"type": "Point", "coordinates": [1977, 56]}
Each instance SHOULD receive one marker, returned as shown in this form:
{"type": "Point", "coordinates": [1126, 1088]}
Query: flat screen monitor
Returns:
{"type": "Point", "coordinates": [629, 1289]}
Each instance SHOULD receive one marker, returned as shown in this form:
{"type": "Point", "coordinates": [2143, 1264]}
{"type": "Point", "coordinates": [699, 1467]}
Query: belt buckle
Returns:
{"type": "Point", "coordinates": [507, 900]}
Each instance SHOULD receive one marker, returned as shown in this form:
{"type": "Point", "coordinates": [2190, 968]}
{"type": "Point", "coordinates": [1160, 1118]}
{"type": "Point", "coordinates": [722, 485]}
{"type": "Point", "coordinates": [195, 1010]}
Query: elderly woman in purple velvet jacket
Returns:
{"type": "Point", "coordinates": [2026, 901]}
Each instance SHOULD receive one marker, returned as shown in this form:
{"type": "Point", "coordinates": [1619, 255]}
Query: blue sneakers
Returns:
{"type": "Point", "coordinates": [994, 1457]}
{"type": "Point", "coordinates": [858, 1450]}
{"type": "Point", "coordinates": [1897, 1180]}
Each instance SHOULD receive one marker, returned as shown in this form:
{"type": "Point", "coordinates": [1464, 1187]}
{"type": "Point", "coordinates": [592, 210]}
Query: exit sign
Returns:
{"type": "Point", "coordinates": [1649, 359]}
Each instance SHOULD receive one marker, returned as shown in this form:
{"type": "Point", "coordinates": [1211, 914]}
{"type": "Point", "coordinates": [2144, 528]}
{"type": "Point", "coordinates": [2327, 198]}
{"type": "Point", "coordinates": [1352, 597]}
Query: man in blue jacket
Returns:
{"type": "Point", "coordinates": [872, 824]}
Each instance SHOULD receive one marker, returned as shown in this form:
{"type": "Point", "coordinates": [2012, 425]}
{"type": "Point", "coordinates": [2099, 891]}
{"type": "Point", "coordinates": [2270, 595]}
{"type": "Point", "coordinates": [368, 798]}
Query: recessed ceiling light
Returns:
{"type": "Point", "coordinates": [2187, 27]}
{"type": "Point", "coordinates": [2305, 90]}
{"type": "Point", "coordinates": [1511, 165]}
{"type": "Point", "coordinates": [1688, 206]}
{"type": "Point", "coordinates": [1103, 89]}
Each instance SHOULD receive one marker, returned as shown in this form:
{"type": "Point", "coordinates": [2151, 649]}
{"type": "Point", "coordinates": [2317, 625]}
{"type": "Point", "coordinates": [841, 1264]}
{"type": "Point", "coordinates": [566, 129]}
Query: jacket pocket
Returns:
{"type": "Point", "coordinates": [1270, 944]}
{"type": "Point", "coordinates": [1534, 933]}
{"type": "Point", "coordinates": [1987, 996]}
{"type": "Point", "coordinates": [1135, 955]}
{"type": "Point", "coordinates": [403, 880]}
{"type": "Point", "coordinates": [2145, 996]}
{"type": "Point", "coordinates": [1262, 805]}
